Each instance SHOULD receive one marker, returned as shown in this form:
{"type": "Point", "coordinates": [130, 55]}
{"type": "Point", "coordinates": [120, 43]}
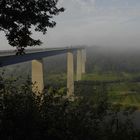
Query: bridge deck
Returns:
{"type": "Point", "coordinates": [14, 59]}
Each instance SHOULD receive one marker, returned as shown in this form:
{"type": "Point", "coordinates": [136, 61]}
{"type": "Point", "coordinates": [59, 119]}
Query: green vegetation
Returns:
{"type": "Point", "coordinates": [102, 77]}
{"type": "Point", "coordinates": [25, 116]}
{"type": "Point", "coordinates": [122, 88]}
{"type": "Point", "coordinates": [106, 99]}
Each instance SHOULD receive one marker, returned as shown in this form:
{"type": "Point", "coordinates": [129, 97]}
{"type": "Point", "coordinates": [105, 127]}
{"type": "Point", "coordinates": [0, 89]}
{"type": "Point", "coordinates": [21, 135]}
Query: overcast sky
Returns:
{"type": "Point", "coordinates": [94, 22]}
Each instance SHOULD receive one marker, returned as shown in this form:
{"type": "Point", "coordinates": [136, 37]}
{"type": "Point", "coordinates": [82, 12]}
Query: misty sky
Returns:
{"type": "Point", "coordinates": [94, 22]}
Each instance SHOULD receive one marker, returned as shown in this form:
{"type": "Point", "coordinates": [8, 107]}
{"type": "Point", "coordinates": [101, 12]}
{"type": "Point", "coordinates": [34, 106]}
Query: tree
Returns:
{"type": "Point", "coordinates": [18, 17]}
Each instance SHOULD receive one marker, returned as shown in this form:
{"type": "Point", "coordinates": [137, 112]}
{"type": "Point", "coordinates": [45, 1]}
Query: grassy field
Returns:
{"type": "Point", "coordinates": [109, 76]}
{"type": "Point", "coordinates": [125, 92]}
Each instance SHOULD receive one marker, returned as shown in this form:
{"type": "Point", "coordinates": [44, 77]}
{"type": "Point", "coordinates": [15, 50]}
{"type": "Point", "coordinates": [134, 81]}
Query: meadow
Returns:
{"type": "Point", "coordinates": [122, 88]}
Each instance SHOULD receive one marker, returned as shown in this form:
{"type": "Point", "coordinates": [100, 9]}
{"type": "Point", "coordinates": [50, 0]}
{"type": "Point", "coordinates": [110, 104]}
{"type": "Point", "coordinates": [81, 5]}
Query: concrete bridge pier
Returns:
{"type": "Point", "coordinates": [79, 65]}
{"type": "Point", "coordinates": [83, 61]}
{"type": "Point", "coordinates": [70, 73]}
{"type": "Point", "coordinates": [37, 75]}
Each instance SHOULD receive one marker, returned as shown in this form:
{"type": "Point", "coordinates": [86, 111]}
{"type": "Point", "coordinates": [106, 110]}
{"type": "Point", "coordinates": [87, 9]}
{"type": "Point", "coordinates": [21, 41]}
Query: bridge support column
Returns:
{"type": "Point", "coordinates": [83, 61]}
{"type": "Point", "coordinates": [70, 74]}
{"type": "Point", "coordinates": [37, 75]}
{"type": "Point", "coordinates": [79, 65]}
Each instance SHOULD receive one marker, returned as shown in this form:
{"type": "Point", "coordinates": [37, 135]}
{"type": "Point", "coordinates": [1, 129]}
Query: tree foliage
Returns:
{"type": "Point", "coordinates": [23, 117]}
{"type": "Point", "coordinates": [17, 17]}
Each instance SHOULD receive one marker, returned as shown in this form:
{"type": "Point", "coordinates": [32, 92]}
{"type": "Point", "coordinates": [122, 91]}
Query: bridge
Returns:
{"type": "Point", "coordinates": [37, 55]}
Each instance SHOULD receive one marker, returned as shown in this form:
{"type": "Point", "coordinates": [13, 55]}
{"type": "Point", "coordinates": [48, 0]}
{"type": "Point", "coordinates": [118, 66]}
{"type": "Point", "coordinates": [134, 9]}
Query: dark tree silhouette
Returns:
{"type": "Point", "coordinates": [17, 17]}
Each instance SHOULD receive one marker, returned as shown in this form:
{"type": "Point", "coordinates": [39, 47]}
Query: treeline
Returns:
{"type": "Point", "coordinates": [100, 59]}
{"type": "Point", "coordinates": [107, 59]}
{"type": "Point", "coordinates": [25, 116]}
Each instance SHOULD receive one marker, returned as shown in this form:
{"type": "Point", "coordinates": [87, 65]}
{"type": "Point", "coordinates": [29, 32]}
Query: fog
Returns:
{"type": "Point", "coordinates": [106, 23]}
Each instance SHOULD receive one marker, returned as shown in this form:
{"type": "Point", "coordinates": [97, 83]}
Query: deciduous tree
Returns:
{"type": "Point", "coordinates": [18, 17]}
